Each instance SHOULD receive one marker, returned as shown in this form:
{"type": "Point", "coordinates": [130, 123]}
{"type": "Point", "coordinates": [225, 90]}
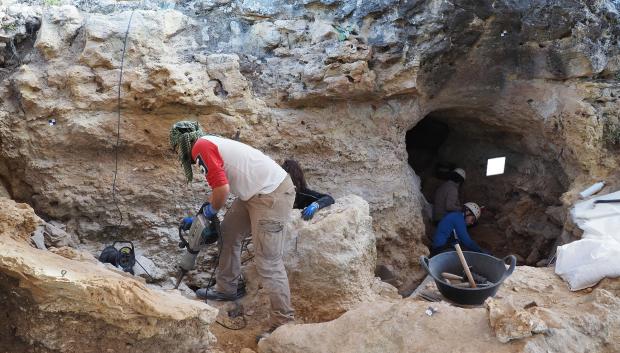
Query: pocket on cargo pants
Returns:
{"type": "Point", "coordinates": [270, 238]}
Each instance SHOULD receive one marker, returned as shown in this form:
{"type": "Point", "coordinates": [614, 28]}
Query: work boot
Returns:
{"type": "Point", "coordinates": [212, 294]}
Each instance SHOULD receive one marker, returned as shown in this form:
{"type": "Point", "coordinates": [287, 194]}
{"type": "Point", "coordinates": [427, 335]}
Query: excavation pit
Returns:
{"type": "Point", "coordinates": [522, 212]}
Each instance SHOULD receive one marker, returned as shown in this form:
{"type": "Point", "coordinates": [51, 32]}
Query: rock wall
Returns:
{"type": "Point", "coordinates": [66, 301]}
{"type": "Point", "coordinates": [334, 84]}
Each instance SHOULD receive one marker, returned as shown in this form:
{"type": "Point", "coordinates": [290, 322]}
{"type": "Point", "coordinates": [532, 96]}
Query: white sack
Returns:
{"type": "Point", "coordinates": [602, 219]}
{"type": "Point", "coordinates": [584, 262]}
{"type": "Point", "coordinates": [597, 255]}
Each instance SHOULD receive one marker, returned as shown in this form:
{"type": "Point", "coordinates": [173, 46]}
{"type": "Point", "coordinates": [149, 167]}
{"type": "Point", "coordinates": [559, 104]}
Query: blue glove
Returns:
{"type": "Point", "coordinates": [309, 211]}
{"type": "Point", "coordinates": [186, 223]}
{"type": "Point", "coordinates": [209, 211]}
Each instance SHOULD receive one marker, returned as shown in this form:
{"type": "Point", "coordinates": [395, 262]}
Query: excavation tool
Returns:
{"type": "Point", "coordinates": [459, 281]}
{"type": "Point", "coordinates": [472, 284]}
{"type": "Point", "coordinates": [201, 233]}
{"type": "Point", "coordinates": [447, 275]}
{"type": "Point", "coordinates": [599, 201]}
{"type": "Point", "coordinates": [607, 201]}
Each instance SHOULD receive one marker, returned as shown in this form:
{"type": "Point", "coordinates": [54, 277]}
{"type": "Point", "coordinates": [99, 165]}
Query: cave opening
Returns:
{"type": "Point", "coordinates": [522, 213]}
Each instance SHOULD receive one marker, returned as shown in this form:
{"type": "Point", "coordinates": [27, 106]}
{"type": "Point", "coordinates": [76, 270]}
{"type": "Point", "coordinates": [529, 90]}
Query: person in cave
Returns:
{"type": "Point", "coordinates": [309, 201]}
{"type": "Point", "coordinates": [265, 196]}
{"type": "Point", "coordinates": [447, 195]}
{"type": "Point", "coordinates": [453, 228]}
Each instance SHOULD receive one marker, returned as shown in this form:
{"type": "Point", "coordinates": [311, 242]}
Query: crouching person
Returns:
{"type": "Point", "coordinates": [265, 196]}
{"type": "Point", "coordinates": [453, 228]}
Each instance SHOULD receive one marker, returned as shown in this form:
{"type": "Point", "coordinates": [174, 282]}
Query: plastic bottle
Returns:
{"type": "Point", "coordinates": [592, 189]}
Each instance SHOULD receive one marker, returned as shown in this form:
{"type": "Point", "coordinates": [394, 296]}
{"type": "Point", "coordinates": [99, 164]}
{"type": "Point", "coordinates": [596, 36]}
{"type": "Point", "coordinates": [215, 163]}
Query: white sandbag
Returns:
{"type": "Point", "coordinates": [583, 263]}
{"type": "Point", "coordinates": [597, 255]}
{"type": "Point", "coordinates": [587, 210]}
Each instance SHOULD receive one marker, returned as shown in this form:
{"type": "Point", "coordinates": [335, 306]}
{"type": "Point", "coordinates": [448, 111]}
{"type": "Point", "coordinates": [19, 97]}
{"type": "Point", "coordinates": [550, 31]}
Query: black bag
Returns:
{"type": "Point", "coordinates": [125, 257]}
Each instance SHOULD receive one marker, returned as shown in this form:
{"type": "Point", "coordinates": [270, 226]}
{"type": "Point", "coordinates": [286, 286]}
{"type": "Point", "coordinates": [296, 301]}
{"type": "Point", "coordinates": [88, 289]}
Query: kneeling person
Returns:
{"type": "Point", "coordinates": [457, 223]}
{"type": "Point", "coordinates": [265, 196]}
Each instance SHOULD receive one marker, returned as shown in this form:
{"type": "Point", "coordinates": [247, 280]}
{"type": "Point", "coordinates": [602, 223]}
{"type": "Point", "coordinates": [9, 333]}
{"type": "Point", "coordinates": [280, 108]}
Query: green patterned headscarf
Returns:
{"type": "Point", "coordinates": [183, 134]}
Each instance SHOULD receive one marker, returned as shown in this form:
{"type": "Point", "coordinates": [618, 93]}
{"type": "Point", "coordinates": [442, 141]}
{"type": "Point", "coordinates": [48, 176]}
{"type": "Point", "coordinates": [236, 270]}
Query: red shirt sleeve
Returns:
{"type": "Point", "coordinates": [208, 157]}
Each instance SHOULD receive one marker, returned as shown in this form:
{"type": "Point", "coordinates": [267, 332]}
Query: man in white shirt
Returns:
{"type": "Point", "coordinates": [265, 196]}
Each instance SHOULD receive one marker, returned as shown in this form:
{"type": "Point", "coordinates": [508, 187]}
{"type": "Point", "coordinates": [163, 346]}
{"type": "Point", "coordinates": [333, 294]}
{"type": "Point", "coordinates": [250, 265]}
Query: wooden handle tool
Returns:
{"type": "Point", "coordinates": [472, 284]}
{"type": "Point", "coordinates": [448, 275]}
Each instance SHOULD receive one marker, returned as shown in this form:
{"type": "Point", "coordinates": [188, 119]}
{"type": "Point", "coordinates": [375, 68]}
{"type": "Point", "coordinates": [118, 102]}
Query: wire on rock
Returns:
{"type": "Point", "coordinates": [145, 271]}
{"type": "Point", "coordinates": [118, 128]}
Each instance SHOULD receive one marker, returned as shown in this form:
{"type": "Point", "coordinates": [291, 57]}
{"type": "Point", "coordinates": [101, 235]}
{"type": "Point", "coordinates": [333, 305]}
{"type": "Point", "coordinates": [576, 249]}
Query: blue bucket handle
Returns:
{"type": "Point", "coordinates": [513, 263]}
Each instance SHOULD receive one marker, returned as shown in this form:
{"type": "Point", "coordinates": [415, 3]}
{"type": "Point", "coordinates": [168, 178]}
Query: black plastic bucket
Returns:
{"type": "Point", "coordinates": [491, 267]}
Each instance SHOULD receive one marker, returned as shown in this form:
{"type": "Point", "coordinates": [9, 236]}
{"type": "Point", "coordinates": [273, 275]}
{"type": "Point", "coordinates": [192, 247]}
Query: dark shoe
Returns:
{"type": "Point", "coordinates": [241, 291]}
{"type": "Point", "coordinates": [212, 294]}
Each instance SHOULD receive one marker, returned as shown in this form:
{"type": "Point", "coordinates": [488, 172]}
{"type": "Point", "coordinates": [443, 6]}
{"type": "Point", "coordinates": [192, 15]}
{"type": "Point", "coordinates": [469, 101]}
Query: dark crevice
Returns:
{"type": "Point", "coordinates": [218, 88]}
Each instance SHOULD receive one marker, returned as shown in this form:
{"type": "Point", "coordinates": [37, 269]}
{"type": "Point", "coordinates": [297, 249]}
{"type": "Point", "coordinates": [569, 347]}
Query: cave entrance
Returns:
{"type": "Point", "coordinates": [522, 214]}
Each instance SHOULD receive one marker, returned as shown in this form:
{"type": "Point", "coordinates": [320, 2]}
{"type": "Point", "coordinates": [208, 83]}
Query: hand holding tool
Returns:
{"type": "Point", "coordinates": [209, 211]}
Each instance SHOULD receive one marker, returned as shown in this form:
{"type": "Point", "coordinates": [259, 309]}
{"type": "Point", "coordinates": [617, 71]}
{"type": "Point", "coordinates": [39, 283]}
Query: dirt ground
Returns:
{"type": "Point", "coordinates": [242, 330]}
{"type": "Point", "coordinates": [255, 308]}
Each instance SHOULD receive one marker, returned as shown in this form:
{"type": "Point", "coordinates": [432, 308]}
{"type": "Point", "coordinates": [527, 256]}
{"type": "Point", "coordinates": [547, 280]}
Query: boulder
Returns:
{"type": "Point", "coordinates": [389, 327]}
{"type": "Point", "coordinates": [71, 303]}
{"type": "Point", "coordinates": [57, 237]}
{"type": "Point", "coordinates": [331, 259]}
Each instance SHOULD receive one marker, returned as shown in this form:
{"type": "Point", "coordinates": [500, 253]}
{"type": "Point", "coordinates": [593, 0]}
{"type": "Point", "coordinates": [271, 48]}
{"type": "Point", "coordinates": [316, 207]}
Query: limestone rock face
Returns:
{"type": "Point", "coordinates": [68, 302]}
{"type": "Point", "coordinates": [334, 84]}
{"type": "Point", "coordinates": [331, 260]}
{"type": "Point", "coordinates": [58, 28]}
{"type": "Point", "coordinates": [534, 308]}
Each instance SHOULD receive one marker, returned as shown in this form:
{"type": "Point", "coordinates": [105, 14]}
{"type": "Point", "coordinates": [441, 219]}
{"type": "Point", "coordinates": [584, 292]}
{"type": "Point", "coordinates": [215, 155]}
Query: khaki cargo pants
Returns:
{"type": "Point", "coordinates": [266, 217]}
